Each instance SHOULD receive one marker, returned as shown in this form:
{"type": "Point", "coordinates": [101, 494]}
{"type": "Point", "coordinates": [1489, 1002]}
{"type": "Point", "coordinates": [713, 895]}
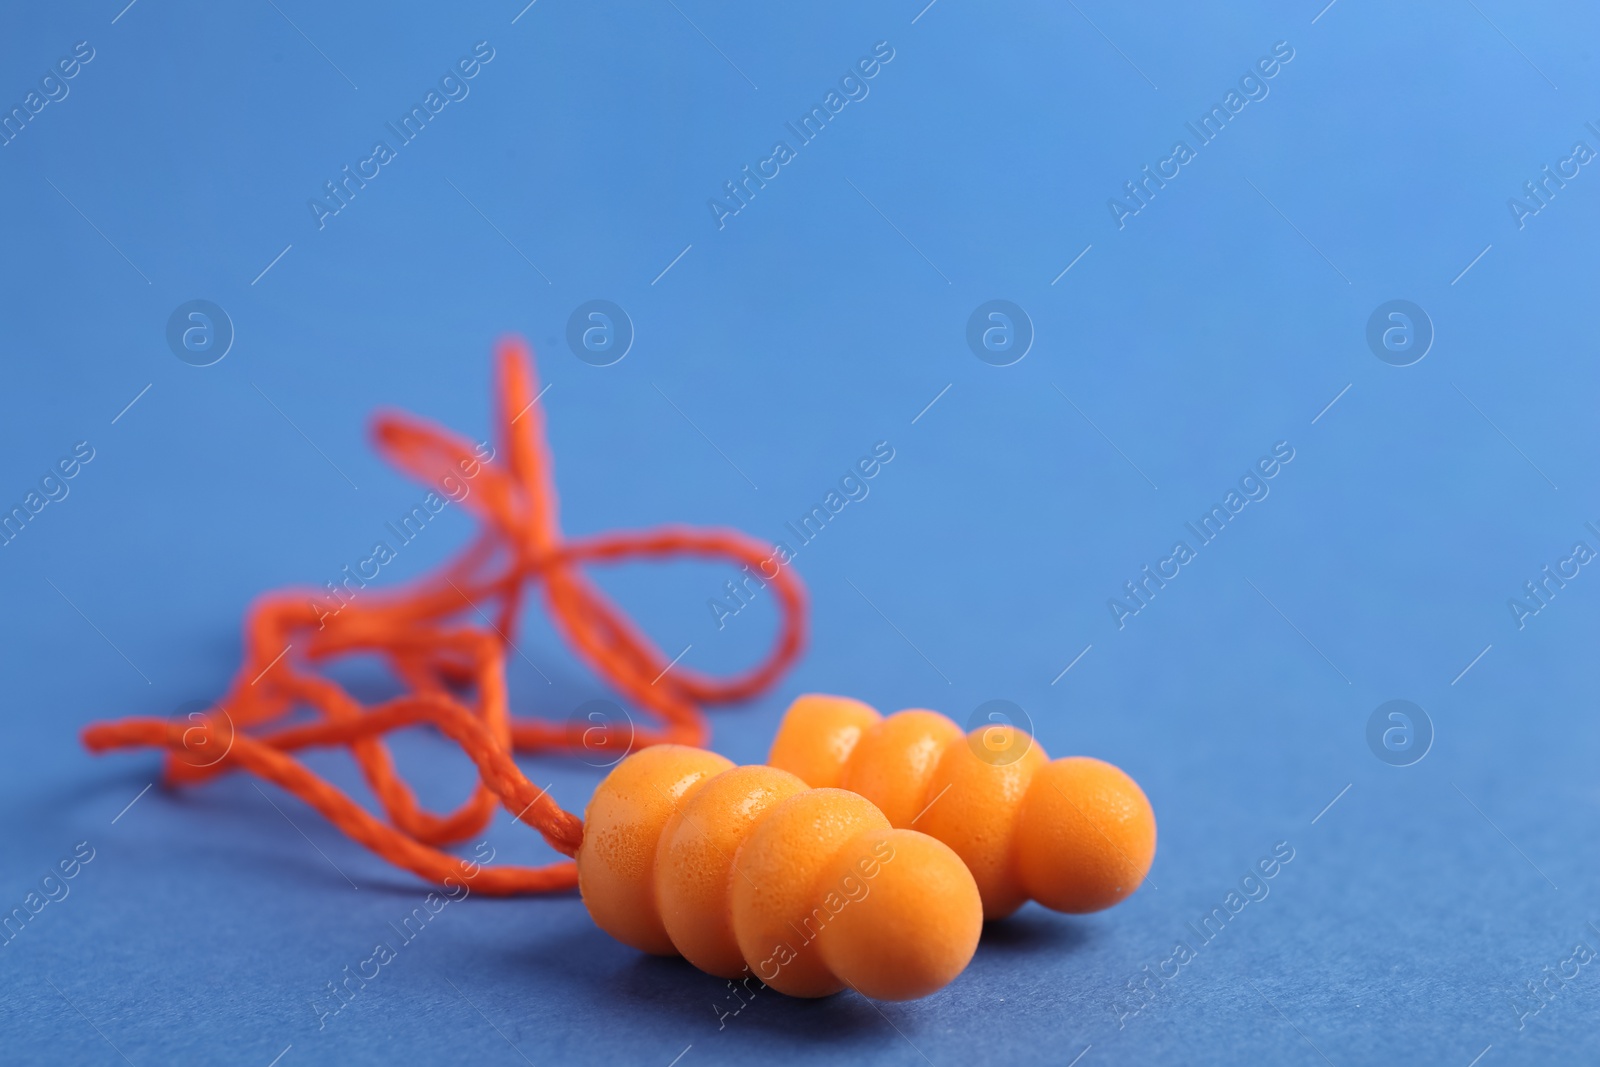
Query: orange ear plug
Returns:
{"type": "Point", "coordinates": [1075, 834]}
{"type": "Point", "coordinates": [746, 869]}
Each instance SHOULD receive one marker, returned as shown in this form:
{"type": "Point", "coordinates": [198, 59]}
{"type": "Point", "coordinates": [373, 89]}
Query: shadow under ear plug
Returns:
{"type": "Point", "coordinates": [1076, 834]}
{"type": "Point", "coordinates": [746, 869]}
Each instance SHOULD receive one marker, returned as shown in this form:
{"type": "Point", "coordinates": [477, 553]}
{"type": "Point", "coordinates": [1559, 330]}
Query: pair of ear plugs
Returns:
{"type": "Point", "coordinates": [866, 854]}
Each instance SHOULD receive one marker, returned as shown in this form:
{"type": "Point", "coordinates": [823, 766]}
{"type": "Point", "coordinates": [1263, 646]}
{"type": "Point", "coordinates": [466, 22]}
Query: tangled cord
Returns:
{"type": "Point", "coordinates": [417, 631]}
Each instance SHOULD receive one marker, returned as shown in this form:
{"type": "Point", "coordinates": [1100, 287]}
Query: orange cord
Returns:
{"type": "Point", "coordinates": [417, 631]}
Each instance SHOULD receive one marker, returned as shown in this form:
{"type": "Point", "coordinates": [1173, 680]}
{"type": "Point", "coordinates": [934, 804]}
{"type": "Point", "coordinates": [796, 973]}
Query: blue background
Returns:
{"type": "Point", "coordinates": [825, 316]}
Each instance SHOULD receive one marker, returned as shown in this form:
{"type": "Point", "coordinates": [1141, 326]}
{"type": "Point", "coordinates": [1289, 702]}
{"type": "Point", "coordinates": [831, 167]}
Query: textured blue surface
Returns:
{"type": "Point", "coordinates": [1220, 319]}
